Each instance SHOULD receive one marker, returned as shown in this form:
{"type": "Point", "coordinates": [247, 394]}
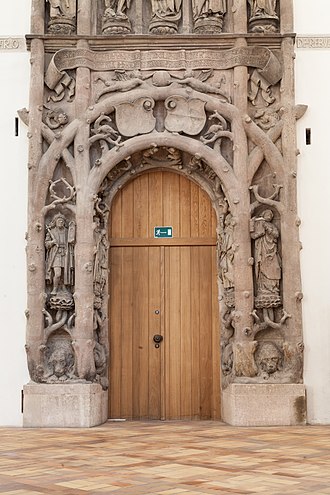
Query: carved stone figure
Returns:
{"type": "Point", "coordinates": [165, 16]}
{"type": "Point", "coordinates": [59, 243]}
{"type": "Point", "coordinates": [62, 15]}
{"type": "Point", "coordinates": [115, 20]}
{"type": "Point", "coordinates": [100, 269]}
{"type": "Point", "coordinates": [59, 360]}
{"type": "Point", "coordinates": [267, 260]}
{"type": "Point", "coordinates": [268, 358]}
{"type": "Point", "coordinates": [263, 16]}
{"type": "Point", "coordinates": [263, 8]}
{"type": "Point", "coordinates": [227, 253]}
{"type": "Point", "coordinates": [208, 15]}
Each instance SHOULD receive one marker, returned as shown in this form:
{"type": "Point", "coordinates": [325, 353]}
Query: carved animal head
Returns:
{"type": "Point", "coordinates": [60, 357]}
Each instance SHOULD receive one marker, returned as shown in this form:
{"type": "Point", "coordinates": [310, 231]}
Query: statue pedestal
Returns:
{"type": "Point", "coordinates": [264, 405]}
{"type": "Point", "coordinates": [79, 405]}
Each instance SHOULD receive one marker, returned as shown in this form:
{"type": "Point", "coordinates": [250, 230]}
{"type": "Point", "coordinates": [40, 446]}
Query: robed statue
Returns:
{"type": "Point", "coordinates": [206, 8]}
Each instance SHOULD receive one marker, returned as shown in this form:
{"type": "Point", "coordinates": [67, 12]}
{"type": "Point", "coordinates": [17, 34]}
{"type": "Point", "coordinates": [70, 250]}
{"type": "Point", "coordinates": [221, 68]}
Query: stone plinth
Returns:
{"type": "Point", "coordinates": [264, 405]}
{"type": "Point", "coordinates": [80, 405]}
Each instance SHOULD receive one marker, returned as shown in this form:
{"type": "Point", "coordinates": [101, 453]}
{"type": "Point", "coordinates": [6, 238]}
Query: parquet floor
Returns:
{"type": "Point", "coordinates": [165, 458]}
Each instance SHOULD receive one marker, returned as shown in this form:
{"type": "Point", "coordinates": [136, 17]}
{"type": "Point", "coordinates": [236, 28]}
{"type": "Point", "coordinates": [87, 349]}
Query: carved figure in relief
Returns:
{"type": "Point", "coordinates": [59, 357]}
{"type": "Point", "coordinates": [267, 260]}
{"type": "Point", "coordinates": [263, 8]}
{"type": "Point", "coordinates": [165, 9]}
{"type": "Point", "coordinates": [216, 132]}
{"type": "Point", "coordinates": [100, 269]}
{"type": "Point", "coordinates": [165, 16]}
{"type": "Point", "coordinates": [227, 253]}
{"type": "Point", "coordinates": [60, 8]}
{"type": "Point", "coordinates": [268, 358]}
{"type": "Point", "coordinates": [205, 8]}
{"type": "Point", "coordinates": [59, 243]}
{"type": "Point", "coordinates": [62, 15]}
{"type": "Point", "coordinates": [117, 8]}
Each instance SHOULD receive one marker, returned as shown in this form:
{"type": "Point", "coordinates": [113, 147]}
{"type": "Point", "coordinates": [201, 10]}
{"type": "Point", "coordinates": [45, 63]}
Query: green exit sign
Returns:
{"type": "Point", "coordinates": [163, 232]}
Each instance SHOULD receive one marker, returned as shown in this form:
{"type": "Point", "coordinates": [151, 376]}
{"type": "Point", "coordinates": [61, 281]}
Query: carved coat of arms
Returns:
{"type": "Point", "coordinates": [136, 118]}
{"type": "Point", "coordinates": [185, 115]}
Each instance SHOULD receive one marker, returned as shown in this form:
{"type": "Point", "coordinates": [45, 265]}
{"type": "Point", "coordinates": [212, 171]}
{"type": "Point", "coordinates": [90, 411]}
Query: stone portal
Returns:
{"type": "Point", "coordinates": [217, 108]}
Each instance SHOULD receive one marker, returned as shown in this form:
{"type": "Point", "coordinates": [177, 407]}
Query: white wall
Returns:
{"type": "Point", "coordinates": [14, 83]}
{"type": "Point", "coordinates": [312, 88]}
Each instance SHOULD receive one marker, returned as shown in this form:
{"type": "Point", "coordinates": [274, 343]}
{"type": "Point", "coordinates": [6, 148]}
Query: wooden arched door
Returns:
{"type": "Point", "coordinates": [165, 287]}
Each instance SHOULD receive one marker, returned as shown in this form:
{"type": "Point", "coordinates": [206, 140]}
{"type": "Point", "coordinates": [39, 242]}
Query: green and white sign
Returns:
{"type": "Point", "coordinates": [163, 232]}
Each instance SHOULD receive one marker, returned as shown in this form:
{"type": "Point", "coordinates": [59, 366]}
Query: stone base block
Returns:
{"type": "Point", "coordinates": [81, 405]}
{"type": "Point", "coordinates": [264, 405]}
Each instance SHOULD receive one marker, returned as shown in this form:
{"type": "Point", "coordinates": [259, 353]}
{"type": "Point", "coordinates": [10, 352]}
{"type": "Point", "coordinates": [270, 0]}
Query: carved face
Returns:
{"type": "Point", "coordinates": [62, 118]}
{"type": "Point", "coordinates": [269, 358]}
{"type": "Point", "coordinates": [60, 222]}
{"type": "Point", "coordinates": [60, 361]}
{"type": "Point", "coordinates": [268, 215]}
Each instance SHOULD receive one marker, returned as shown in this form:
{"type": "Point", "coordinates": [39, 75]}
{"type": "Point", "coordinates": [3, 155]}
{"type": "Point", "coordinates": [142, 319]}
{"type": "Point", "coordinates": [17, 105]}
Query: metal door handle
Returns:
{"type": "Point", "coordinates": [157, 339]}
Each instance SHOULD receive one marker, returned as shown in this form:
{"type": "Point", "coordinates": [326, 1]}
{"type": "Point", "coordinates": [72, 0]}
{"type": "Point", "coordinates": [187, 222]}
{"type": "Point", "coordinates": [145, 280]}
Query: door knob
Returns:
{"type": "Point", "coordinates": [158, 339]}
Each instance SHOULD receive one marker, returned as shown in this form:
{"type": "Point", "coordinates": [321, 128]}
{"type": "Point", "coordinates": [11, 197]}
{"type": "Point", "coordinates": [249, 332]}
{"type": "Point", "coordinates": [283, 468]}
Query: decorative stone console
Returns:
{"type": "Point", "coordinates": [264, 405]}
{"type": "Point", "coordinates": [70, 406]}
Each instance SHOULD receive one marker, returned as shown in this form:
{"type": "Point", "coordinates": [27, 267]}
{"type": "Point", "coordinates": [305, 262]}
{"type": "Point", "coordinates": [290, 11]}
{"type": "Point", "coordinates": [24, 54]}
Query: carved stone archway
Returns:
{"type": "Point", "coordinates": [225, 117]}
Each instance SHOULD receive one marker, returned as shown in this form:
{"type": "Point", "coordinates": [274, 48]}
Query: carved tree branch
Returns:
{"type": "Point", "coordinates": [267, 201]}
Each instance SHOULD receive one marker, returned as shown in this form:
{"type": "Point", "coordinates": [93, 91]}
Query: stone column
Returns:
{"type": "Point", "coordinates": [84, 17]}
{"type": "Point", "coordinates": [38, 17]}
{"type": "Point", "coordinates": [290, 223]}
{"type": "Point", "coordinates": [35, 246]}
{"type": "Point", "coordinates": [84, 298]}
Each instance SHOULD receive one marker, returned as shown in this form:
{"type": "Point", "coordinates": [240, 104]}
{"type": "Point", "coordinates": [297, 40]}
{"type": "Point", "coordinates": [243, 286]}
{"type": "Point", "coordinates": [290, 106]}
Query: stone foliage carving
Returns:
{"type": "Point", "coordinates": [166, 15]}
{"type": "Point", "coordinates": [62, 16]}
{"type": "Point", "coordinates": [208, 16]}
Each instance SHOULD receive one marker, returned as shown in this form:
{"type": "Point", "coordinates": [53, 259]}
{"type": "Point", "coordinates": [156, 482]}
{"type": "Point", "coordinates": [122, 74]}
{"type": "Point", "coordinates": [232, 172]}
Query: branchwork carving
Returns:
{"type": "Point", "coordinates": [166, 15]}
{"type": "Point", "coordinates": [56, 119]}
{"type": "Point", "coordinates": [62, 14]}
{"type": "Point", "coordinates": [217, 132]}
{"type": "Point", "coordinates": [263, 16]}
{"type": "Point", "coordinates": [208, 16]}
{"type": "Point", "coordinates": [105, 134]}
{"type": "Point", "coordinates": [115, 20]}
{"type": "Point", "coordinates": [65, 200]}
{"type": "Point", "coordinates": [226, 258]}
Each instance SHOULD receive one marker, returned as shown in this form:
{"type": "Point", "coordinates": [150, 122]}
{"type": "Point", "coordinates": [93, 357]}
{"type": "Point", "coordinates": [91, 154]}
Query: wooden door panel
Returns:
{"type": "Point", "coordinates": [169, 290]}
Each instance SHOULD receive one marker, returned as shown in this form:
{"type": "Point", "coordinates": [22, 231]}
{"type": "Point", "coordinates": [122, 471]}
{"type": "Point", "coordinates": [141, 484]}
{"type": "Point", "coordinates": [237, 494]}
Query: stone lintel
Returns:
{"type": "Point", "coordinates": [264, 405]}
{"type": "Point", "coordinates": [82, 405]}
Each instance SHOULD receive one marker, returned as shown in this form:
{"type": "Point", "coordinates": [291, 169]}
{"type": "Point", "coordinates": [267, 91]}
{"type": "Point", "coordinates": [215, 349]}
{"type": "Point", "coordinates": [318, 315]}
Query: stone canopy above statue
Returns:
{"type": "Point", "coordinates": [162, 17]}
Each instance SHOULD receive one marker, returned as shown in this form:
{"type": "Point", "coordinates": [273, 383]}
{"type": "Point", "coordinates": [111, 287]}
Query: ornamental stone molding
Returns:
{"type": "Point", "coordinates": [201, 88]}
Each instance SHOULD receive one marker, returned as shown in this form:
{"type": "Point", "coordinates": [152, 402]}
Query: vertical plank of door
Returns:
{"type": "Point", "coordinates": [205, 296]}
{"type": "Point", "coordinates": [155, 290]}
{"type": "Point", "coordinates": [185, 270]}
{"type": "Point", "coordinates": [173, 332]}
{"type": "Point", "coordinates": [186, 334]}
{"type": "Point", "coordinates": [141, 333]}
{"type": "Point", "coordinates": [127, 229]}
{"type": "Point", "coordinates": [195, 332]}
{"type": "Point", "coordinates": [115, 333]}
{"type": "Point", "coordinates": [127, 334]}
